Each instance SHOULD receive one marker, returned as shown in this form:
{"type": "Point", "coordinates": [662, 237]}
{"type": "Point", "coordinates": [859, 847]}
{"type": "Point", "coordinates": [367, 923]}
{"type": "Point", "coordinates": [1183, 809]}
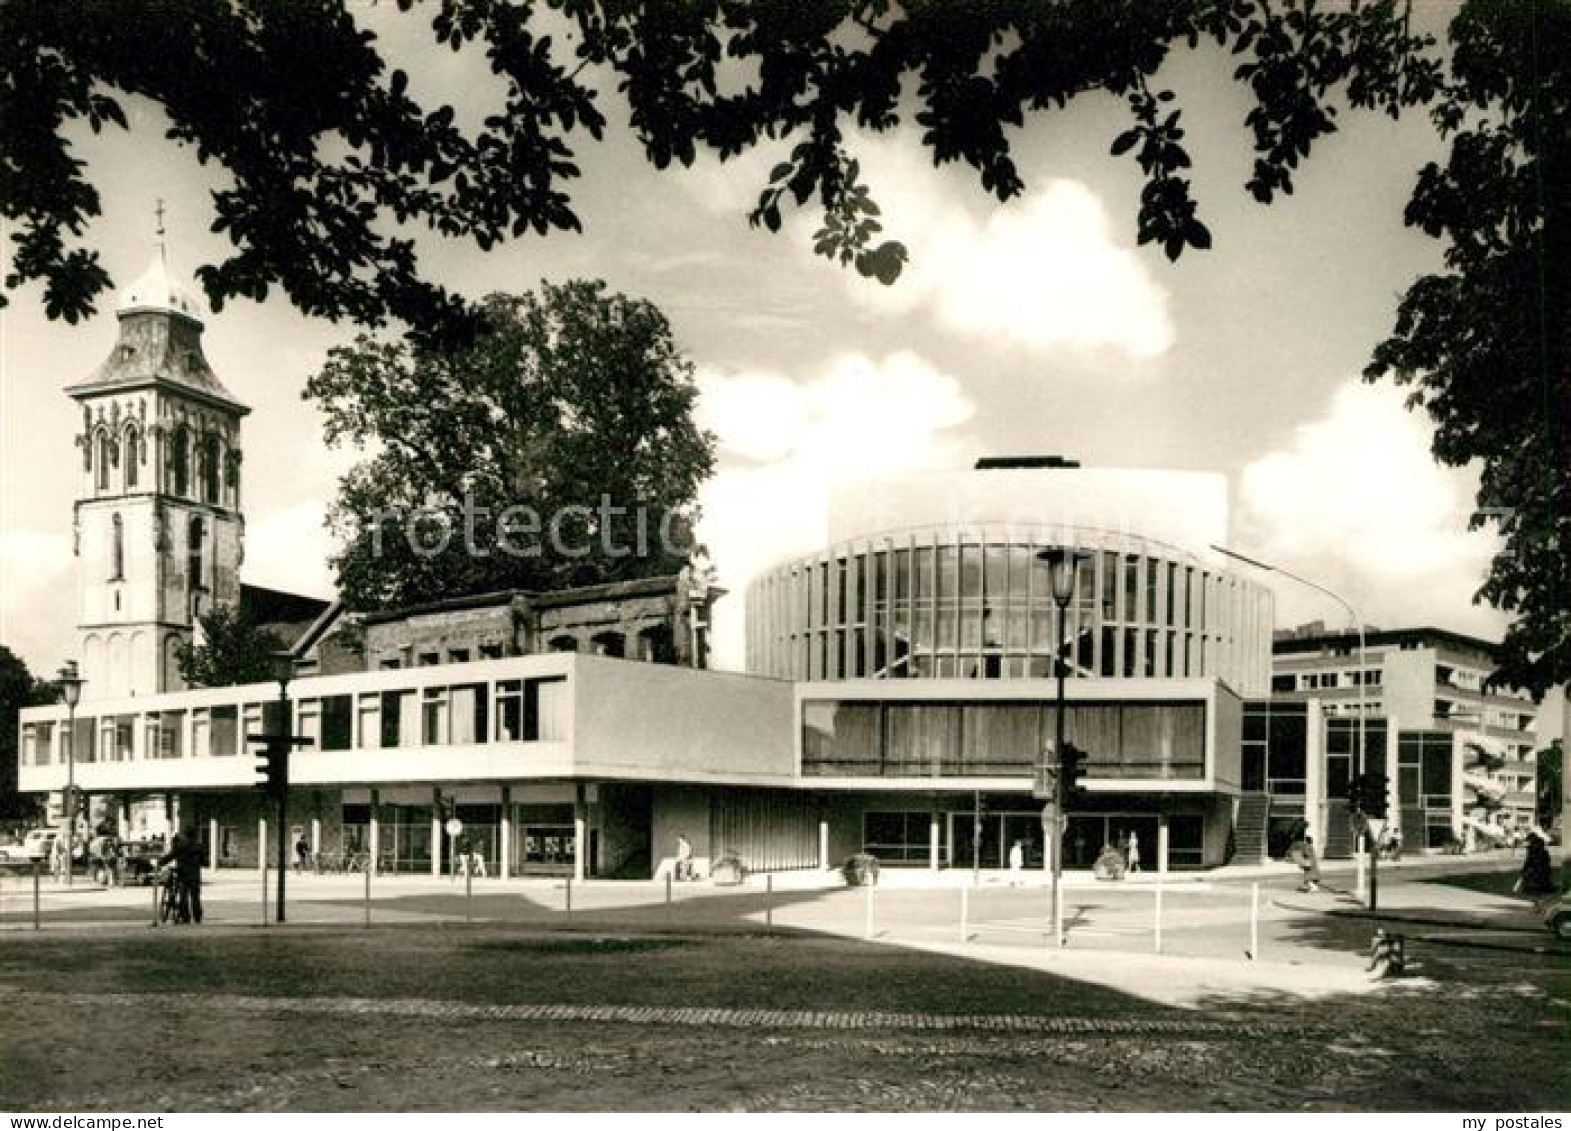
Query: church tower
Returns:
{"type": "Point", "coordinates": [158, 528]}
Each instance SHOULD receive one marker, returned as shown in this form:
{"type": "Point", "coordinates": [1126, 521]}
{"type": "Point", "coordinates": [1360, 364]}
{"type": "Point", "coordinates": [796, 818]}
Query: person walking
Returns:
{"type": "Point", "coordinates": [1132, 852]}
{"type": "Point", "coordinates": [684, 858]}
{"type": "Point", "coordinates": [1303, 854]}
{"type": "Point", "coordinates": [1017, 863]}
{"type": "Point", "coordinates": [1537, 879]}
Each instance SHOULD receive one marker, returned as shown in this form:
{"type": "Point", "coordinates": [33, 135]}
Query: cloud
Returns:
{"type": "Point", "coordinates": [788, 443]}
{"type": "Point", "coordinates": [37, 597]}
{"type": "Point", "coordinates": [1357, 503]}
{"type": "Point", "coordinates": [287, 549]}
{"type": "Point", "coordinates": [1041, 273]}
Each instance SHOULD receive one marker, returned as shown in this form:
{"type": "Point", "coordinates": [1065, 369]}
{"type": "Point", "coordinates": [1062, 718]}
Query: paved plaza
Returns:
{"type": "Point", "coordinates": [784, 999]}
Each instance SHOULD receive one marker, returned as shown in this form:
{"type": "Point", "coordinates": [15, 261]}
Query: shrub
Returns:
{"type": "Point", "coordinates": [860, 869]}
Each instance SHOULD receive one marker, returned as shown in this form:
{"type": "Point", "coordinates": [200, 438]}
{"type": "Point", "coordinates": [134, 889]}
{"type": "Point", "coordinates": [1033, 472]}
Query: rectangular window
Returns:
{"type": "Point", "coordinates": [398, 725]}
{"type": "Point", "coordinates": [1131, 590]}
{"type": "Point", "coordinates": [369, 722]}
{"type": "Point", "coordinates": [224, 738]}
{"type": "Point", "coordinates": [897, 838]}
{"type": "Point", "coordinates": [510, 711]}
{"type": "Point", "coordinates": [547, 710]}
{"type": "Point", "coordinates": [469, 713]}
{"type": "Point", "coordinates": [841, 738]}
{"type": "Point", "coordinates": [920, 737]}
{"type": "Point", "coordinates": [433, 725]}
{"type": "Point", "coordinates": [337, 722]}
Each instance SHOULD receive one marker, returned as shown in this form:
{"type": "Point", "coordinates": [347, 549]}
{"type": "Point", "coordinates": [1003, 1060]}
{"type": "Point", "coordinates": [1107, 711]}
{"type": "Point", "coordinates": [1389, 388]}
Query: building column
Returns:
{"type": "Point", "coordinates": [171, 815]}
{"type": "Point", "coordinates": [1458, 791]}
{"type": "Point", "coordinates": [580, 835]}
{"type": "Point", "coordinates": [1394, 775]}
{"type": "Point", "coordinates": [316, 837]}
{"type": "Point", "coordinates": [212, 843]}
{"type": "Point", "coordinates": [437, 833]}
{"type": "Point", "coordinates": [1315, 774]}
{"type": "Point", "coordinates": [823, 845]}
{"type": "Point", "coordinates": [504, 866]}
{"type": "Point", "coordinates": [932, 842]}
{"type": "Point", "coordinates": [1161, 843]}
{"type": "Point", "coordinates": [374, 837]}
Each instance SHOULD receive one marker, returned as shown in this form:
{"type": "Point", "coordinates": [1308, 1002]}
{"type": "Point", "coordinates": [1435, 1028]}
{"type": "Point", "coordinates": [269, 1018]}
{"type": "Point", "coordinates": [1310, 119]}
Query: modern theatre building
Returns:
{"type": "Point", "coordinates": [901, 682]}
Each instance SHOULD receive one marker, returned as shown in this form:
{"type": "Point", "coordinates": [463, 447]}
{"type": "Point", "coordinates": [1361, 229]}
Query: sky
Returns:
{"type": "Point", "coordinates": [1033, 327]}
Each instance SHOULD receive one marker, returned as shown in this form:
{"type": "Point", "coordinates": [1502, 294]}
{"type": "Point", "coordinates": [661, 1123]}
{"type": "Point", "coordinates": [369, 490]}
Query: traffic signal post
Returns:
{"type": "Point", "coordinates": [272, 767]}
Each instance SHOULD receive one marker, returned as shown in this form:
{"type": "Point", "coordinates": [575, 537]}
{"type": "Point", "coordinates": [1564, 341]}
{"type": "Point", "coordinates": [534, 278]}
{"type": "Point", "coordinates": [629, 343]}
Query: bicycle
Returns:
{"type": "Point", "coordinates": [171, 907]}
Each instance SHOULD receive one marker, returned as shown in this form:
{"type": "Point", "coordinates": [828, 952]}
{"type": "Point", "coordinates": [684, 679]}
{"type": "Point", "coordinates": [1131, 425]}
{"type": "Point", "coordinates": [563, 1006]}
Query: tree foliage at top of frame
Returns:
{"type": "Point", "coordinates": [330, 161]}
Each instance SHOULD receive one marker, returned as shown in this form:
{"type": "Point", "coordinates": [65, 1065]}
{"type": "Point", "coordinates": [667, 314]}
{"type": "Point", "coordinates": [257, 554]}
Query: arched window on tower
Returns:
{"type": "Point", "coordinates": [133, 455]}
{"type": "Point", "coordinates": [117, 549]}
{"type": "Point", "coordinates": [102, 455]}
{"type": "Point", "coordinates": [210, 464]}
{"type": "Point", "coordinates": [194, 563]}
{"type": "Point", "coordinates": [180, 458]}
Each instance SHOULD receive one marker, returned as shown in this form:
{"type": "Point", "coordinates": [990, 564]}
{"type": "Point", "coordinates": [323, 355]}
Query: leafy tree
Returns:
{"type": "Point", "coordinates": [325, 147]}
{"type": "Point", "coordinates": [1485, 344]}
{"type": "Point", "coordinates": [1551, 783]}
{"type": "Point", "coordinates": [233, 650]}
{"type": "Point", "coordinates": [18, 689]}
{"type": "Point", "coordinates": [559, 449]}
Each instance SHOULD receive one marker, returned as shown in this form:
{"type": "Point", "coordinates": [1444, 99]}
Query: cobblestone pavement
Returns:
{"type": "Point", "coordinates": [676, 1016]}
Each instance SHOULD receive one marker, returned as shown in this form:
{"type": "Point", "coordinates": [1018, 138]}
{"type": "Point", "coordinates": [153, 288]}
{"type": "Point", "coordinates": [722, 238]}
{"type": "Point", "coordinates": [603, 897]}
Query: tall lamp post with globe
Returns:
{"type": "Point", "coordinates": [70, 684]}
{"type": "Point", "coordinates": [1063, 563]}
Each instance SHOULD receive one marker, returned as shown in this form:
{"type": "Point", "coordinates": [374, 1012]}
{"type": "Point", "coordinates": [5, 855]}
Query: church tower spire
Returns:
{"type": "Point", "coordinates": [159, 530]}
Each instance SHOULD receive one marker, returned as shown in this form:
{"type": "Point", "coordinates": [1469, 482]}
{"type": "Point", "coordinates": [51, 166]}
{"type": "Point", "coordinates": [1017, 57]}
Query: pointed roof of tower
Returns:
{"type": "Point", "coordinates": [155, 290]}
{"type": "Point", "coordinates": [160, 340]}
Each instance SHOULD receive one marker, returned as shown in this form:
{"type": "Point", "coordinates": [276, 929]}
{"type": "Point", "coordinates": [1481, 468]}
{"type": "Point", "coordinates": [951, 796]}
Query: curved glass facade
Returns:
{"type": "Point", "coordinates": [941, 603]}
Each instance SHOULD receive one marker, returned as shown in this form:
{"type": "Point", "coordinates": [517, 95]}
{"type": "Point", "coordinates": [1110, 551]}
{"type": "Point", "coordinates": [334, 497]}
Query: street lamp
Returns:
{"type": "Point", "coordinates": [70, 684]}
{"type": "Point", "coordinates": [1063, 563]}
{"type": "Point", "coordinates": [1363, 678]}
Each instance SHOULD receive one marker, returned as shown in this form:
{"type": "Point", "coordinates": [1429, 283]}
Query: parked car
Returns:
{"type": "Point", "coordinates": [39, 843]}
{"type": "Point", "coordinates": [139, 861]}
{"type": "Point", "coordinates": [1557, 915]}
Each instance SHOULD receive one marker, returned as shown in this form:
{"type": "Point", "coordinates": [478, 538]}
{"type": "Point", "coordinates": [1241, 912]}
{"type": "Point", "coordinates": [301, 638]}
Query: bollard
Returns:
{"type": "Point", "coordinates": [36, 917]}
{"type": "Point", "coordinates": [769, 901]}
{"type": "Point", "coordinates": [1254, 922]}
{"type": "Point", "coordinates": [368, 895]}
{"type": "Point", "coordinates": [965, 912]}
{"type": "Point", "coordinates": [1159, 917]}
{"type": "Point", "coordinates": [569, 907]}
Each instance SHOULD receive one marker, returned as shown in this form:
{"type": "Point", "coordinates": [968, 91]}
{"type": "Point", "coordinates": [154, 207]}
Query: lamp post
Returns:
{"type": "Point", "coordinates": [70, 684]}
{"type": "Point", "coordinates": [1361, 825]}
{"type": "Point", "coordinates": [1063, 563]}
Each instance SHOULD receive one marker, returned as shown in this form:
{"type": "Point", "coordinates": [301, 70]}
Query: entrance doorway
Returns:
{"type": "Point", "coordinates": [999, 831]}
{"type": "Point", "coordinates": [546, 850]}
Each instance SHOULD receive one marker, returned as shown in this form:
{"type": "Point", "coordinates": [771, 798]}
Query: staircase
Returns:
{"type": "Point", "coordinates": [1249, 830]}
